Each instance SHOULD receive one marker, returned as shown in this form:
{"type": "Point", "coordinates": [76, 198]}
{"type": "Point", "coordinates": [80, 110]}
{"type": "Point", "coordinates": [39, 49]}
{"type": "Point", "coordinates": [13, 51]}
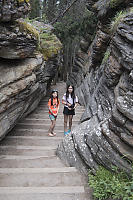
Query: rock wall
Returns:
{"type": "Point", "coordinates": [25, 73]}
{"type": "Point", "coordinates": [104, 85]}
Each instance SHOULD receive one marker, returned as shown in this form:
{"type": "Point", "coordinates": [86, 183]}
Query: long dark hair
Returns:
{"type": "Point", "coordinates": [72, 94]}
{"type": "Point", "coordinates": [52, 97]}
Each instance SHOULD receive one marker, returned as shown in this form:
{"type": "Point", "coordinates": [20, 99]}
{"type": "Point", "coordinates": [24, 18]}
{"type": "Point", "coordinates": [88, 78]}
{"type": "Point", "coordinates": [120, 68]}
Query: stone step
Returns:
{"type": "Point", "coordinates": [31, 141]}
{"type": "Point", "coordinates": [39, 177]}
{"type": "Point", "coordinates": [39, 126]}
{"type": "Point", "coordinates": [38, 170]}
{"type": "Point", "coordinates": [30, 162]}
{"type": "Point", "coordinates": [41, 190]}
{"type": "Point", "coordinates": [44, 121]}
{"type": "Point", "coordinates": [45, 116]}
{"type": "Point", "coordinates": [34, 132]}
{"type": "Point", "coordinates": [20, 147]}
{"type": "Point", "coordinates": [43, 193]}
{"type": "Point", "coordinates": [44, 127]}
{"type": "Point", "coordinates": [34, 137]}
{"type": "Point", "coordinates": [11, 150]}
{"type": "Point", "coordinates": [29, 167]}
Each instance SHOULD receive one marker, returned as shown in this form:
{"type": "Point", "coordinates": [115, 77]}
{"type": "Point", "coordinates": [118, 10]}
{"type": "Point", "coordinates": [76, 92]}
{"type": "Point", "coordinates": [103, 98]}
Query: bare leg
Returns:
{"type": "Point", "coordinates": [52, 127]}
{"type": "Point", "coordinates": [70, 121]}
{"type": "Point", "coordinates": [65, 122]}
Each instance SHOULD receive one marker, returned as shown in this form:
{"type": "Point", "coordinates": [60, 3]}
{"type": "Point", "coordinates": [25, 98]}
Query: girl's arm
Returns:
{"type": "Point", "coordinates": [58, 107]}
{"type": "Point", "coordinates": [76, 104]}
{"type": "Point", "coordinates": [49, 106]}
{"type": "Point", "coordinates": [51, 111]}
{"type": "Point", "coordinates": [64, 102]}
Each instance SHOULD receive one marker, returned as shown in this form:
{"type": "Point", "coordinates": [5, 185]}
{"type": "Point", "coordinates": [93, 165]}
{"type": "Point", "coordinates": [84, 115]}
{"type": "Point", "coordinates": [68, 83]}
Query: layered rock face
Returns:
{"type": "Point", "coordinates": [105, 135]}
{"type": "Point", "coordinates": [16, 42]}
{"type": "Point", "coordinates": [24, 72]}
{"type": "Point", "coordinates": [13, 9]}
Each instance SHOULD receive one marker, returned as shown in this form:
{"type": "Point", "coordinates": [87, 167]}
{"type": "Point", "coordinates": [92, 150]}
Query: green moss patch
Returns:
{"type": "Point", "coordinates": [49, 45]}
{"type": "Point", "coordinates": [23, 1]}
{"type": "Point", "coordinates": [24, 26]}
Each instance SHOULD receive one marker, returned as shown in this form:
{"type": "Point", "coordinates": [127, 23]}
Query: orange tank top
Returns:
{"type": "Point", "coordinates": [54, 107]}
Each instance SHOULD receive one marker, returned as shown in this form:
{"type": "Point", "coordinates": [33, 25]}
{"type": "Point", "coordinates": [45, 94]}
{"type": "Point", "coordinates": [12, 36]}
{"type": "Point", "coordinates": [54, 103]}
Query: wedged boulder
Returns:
{"type": "Point", "coordinates": [18, 40]}
{"type": "Point", "coordinates": [11, 10]}
{"type": "Point", "coordinates": [49, 44]}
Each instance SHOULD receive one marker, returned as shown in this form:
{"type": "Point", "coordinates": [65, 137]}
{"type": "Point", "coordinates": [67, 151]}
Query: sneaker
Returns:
{"type": "Point", "coordinates": [69, 130]}
{"type": "Point", "coordinates": [65, 132]}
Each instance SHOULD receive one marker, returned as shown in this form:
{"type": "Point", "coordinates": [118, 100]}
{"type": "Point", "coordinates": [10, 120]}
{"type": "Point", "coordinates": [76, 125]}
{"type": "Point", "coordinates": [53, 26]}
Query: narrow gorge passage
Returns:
{"type": "Point", "coordinates": [29, 167]}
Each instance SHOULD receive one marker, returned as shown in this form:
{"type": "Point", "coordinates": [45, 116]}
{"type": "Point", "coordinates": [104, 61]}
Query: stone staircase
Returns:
{"type": "Point", "coordinates": [29, 167]}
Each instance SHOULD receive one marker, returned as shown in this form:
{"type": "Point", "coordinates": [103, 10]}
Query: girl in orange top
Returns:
{"type": "Point", "coordinates": [53, 105]}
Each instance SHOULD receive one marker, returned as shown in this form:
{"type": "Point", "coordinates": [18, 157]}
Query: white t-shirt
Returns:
{"type": "Point", "coordinates": [69, 99]}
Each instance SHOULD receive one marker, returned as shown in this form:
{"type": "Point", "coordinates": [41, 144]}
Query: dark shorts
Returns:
{"type": "Point", "coordinates": [66, 111]}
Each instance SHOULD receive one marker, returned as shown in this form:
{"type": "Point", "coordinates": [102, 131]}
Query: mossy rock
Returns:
{"type": "Point", "coordinates": [28, 28]}
{"type": "Point", "coordinates": [23, 1]}
{"type": "Point", "coordinates": [49, 45]}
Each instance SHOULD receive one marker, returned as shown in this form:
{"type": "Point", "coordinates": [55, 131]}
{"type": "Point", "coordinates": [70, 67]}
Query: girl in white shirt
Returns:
{"type": "Point", "coordinates": [70, 101]}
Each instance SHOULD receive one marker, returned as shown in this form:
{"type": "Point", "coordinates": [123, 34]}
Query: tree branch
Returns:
{"type": "Point", "coordinates": [63, 13]}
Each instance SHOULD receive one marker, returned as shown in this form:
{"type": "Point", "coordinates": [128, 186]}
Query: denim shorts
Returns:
{"type": "Point", "coordinates": [52, 117]}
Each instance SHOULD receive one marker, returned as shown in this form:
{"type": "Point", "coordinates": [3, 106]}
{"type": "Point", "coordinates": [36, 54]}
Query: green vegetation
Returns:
{"type": "Point", "coordinates": [117, 19]}
{"type": "Point", "coordinates": [49, 45]}
{"type": "Point", "coordinates": [115, 3]}
{"type": "Point", "coordinates": [23, 1]}
{"type": "Point", "coordinates": [106, 56]}
{"type": "Point", "coordinates": [24, 26]}
{"type": "Point", "coordinates": [115, 184]}
{"type": "Point", "coordinates": [35, 10]}
{"type": "Point", "coordinates": [71, 28]}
